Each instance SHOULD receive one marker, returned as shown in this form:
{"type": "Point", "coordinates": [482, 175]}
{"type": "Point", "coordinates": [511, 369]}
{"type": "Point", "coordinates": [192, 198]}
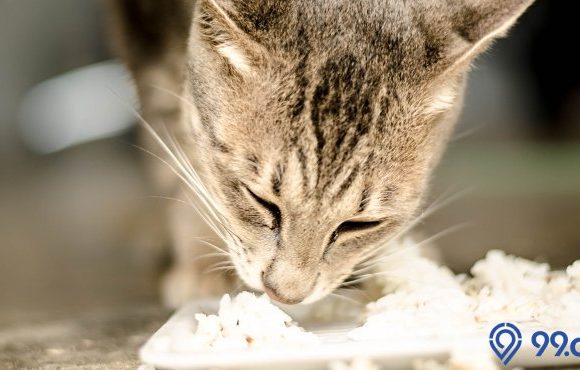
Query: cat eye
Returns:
{"type": "Point", "coordinates": [352, 226]}
{"type": "Point", "coordinates": [348, 227]}
{"type": "Point", "coordinates": [273, 209]}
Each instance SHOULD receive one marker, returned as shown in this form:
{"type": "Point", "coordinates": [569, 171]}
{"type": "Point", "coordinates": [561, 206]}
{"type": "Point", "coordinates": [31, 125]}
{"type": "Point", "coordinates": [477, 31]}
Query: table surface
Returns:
{"type": "Point", "coordinates": [107, 339]}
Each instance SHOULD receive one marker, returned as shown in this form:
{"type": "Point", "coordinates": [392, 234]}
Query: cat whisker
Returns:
{"type": "Point", "coordinates": [202, 192]}
{"type": "Point", "coordinates": [355, 291]}
{"type": "Point", "coordinates": [168, 198]}
{"type": "Point", "coordinates": [438, 204]}
{"type": "Point", "coordinates": [197, 211]}
{"type": "Point", "coordinates": [221, 263]}
{"type": "Point", "coordinates": [223, 232]}
{"type": "Point", "coordinates": [216, 227]}
{"type": "Point", "coordinates": [205, 241]}
{"type": "Point", "coordinates": [371, 263]}
{"type": "Point", "coordinates": [220, 268]}
{"type": "Point", "coordinates": [174, 94]}
{"type": "Point", "coordinates": [460, 135]}
{"type": "Point", "coordinates": [184, 180]}
{"type": "Point", "coordinates": [208, 255]}
{"type": "Point", "coordinates": [207, 237]}
{"type": "Point", "coordinates": [393, 274]}
{"type": "Point", "coordinates": [187, 163]}
{"type": "Point", "coordinates": [220, 251]}
{"type": "Point", "coordinates": [184, 170]}
{"type": "Point", "coordinates": [375, 262]}
{"type": "Point", "coordinates": [337, 294]}
{"type": "Point", "coordinates": [444, 233]}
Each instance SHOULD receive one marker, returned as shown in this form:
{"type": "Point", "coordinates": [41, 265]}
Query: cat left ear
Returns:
{"type": "Point", "coordinates": [221, 32]}
{"type": "Point", "coordinates": [476, 23]}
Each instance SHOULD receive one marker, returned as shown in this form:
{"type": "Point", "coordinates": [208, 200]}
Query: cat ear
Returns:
{"type": "Point", "coordinates": [220, 31]}
{"type": "Point", "coordinates": [474, 24]}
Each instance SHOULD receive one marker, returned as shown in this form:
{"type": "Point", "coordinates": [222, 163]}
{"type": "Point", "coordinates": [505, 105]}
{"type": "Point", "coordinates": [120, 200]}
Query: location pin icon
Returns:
{"type": "Point", "coordinates": [505, 340]}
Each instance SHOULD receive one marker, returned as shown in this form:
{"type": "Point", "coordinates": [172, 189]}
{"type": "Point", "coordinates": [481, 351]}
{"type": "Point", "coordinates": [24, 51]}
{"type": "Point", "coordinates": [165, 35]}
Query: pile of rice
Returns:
{"type": "Point", "coordinates": [248, 321]}
{"type": "Point", "coordinates": [508, 288]}
{"type": "Point", "coordinates": [421, 299]}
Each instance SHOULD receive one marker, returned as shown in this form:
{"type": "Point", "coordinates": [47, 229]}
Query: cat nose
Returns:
{"type": "Point", "coordinates": [274, 293]}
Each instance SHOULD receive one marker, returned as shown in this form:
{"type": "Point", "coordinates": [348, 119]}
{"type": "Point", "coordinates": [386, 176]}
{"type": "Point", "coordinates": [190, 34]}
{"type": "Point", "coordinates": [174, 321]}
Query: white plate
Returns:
{"type": "Point", "coordinates": [334, 346]}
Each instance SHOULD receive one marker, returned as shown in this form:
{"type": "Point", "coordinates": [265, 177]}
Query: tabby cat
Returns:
{"type": "Point", "coordinates": [305, 129]}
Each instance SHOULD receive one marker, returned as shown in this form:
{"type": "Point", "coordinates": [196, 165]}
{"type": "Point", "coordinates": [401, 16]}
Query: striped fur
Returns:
{"type": "Point", "coordinates": [316, 123]}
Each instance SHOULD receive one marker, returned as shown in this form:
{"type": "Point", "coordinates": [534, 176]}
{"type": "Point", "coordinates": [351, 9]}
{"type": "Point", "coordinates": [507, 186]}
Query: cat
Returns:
{"type": "Point", "coordinates": [306, 129]}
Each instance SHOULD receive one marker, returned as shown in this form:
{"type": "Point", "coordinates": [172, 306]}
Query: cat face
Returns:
{"type": "Point", "coordinates": [316, 124]}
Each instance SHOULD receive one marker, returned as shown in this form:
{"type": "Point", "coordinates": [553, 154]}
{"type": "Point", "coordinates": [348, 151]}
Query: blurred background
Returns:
{"type": "Point", "coordinates": [74, 198]}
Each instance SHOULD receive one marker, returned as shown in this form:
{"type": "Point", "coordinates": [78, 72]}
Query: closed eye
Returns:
{"type": "Point", "coordinates": [352, 228]}
{"type": "Point", "coordinates": [357, 226]}
{"type": "Point", "coordinates": [270, 207]}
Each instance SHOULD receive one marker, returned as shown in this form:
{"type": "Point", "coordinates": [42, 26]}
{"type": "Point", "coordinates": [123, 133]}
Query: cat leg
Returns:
{"type": "Point", "coordinates": [150, 37]}
{"type": "Point", "coordinates": [191, 274]}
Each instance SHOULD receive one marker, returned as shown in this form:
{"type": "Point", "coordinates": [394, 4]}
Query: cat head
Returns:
{"type": "Point", "coordinates": [316, 124]}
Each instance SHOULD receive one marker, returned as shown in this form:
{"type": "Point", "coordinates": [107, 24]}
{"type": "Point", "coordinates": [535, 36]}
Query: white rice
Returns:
{"type": "Point", "coordinates": [421, 299]}
{"type": "Point", "coordinates": [424, 299]}
{"type": "Point", "coordinates": [247, 321]}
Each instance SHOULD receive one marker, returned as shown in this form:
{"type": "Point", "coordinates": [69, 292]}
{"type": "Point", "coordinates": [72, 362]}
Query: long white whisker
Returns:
{"type": "Point", "coordinates": [354, 290]}
{"type": "Point", "coordinates": [375, 261]}
{"type": "Point", "coordinates": [204, 240]}
{"type": "Point", "coordinates": [460, 135]}
{"type": "Point", "coordinates": [224, 233]}
{"type": "Point", "coordinates": [202, 192]}
{"type": "Point", "coordinates": [436, 206]}
{"type": "Point", "coordinates": [182, 178]}
{"type": "Point", "coordinates": [221, 263]}
{"type": "Point", "coordinates": [184, 173]}
{"type": "Point", "coordinates": [209, 255]}
{"type": "Point", "coordinates": [348, 299]}
{"type": "Point", "coordinates": [444, 233]}
{"type": "Point", "coordinates": [219, 250]}
{"type": "Point", "coordinates": [371, 262]}
{"type": "Point", "coordinates": [439, 203]}
{"type": "Point", "coordinates": [174, 94]}
{"type": "Point", "coordinates": [222, 268]}
{"type": "Point", "coordinates": [394, 274]}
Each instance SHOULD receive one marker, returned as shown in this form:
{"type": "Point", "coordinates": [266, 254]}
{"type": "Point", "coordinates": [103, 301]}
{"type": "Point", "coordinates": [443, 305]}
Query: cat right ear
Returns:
{"type": "Point", "coordinates": [472, 25]}
{"type": "Point", "coordinates": [220, 31]}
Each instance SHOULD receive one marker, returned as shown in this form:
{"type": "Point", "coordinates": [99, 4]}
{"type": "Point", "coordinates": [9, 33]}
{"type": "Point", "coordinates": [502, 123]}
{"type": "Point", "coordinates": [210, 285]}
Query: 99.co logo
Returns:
{"type": "Point", "coordinates": [558, 340]}
{"type": "Point", "coordinates": [505, 339]}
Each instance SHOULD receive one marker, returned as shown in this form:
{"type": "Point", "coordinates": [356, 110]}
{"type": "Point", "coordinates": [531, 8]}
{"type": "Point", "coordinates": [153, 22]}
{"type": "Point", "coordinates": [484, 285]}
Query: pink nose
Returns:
{"type": "Point", "coordinates": [273, 293]}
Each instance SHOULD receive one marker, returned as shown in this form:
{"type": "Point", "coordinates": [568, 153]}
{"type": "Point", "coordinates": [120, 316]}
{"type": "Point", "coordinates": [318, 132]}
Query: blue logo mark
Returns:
{"type": "Point", "coordinates": [505, 340]}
